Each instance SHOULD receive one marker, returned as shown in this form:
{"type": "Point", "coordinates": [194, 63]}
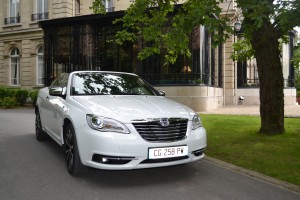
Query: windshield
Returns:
{"type": "Point", "coordinates": [97, 83]}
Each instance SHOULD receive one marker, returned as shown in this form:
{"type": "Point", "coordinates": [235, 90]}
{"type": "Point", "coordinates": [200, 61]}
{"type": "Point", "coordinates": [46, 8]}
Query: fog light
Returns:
{"type": "Point", "coordinates": [111, 160]}
{"type": "Point", "coordinates": [198, 152]}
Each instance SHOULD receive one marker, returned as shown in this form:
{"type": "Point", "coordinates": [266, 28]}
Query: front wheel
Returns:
{"type": "Point", "coordinates": [74, 165]}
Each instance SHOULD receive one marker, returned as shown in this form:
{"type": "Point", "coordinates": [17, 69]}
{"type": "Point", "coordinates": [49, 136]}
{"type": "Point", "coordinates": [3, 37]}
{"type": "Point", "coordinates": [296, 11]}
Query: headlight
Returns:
{"type": "Point", "coordinates": [196, 122]}
{"type": "Point", "coordinates": [106, 124]}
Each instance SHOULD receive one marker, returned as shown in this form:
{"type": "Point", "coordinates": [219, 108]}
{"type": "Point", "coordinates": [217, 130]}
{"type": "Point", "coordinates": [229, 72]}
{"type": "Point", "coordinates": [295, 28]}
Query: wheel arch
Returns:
{"type": "Point", "coordinates": [65, 124]}
{"type": "Point", "coordinates": [36, 109]}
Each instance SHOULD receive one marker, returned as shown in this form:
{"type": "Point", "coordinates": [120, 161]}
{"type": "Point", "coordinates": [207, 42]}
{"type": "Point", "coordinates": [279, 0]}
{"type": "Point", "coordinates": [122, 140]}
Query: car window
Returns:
{"type": "Point", "coordinates": [61, 80]}
{"type": "Point", "coordinates": [91, 83]}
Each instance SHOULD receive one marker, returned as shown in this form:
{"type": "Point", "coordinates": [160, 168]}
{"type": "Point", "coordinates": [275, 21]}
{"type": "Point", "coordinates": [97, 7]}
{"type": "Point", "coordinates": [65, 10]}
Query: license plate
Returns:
{"type": "Point", "coordinates": [168, 152]}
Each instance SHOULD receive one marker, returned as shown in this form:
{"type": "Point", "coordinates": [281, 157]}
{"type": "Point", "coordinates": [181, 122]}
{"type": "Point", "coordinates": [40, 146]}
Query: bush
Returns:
{"type": "Point", "coordinates": [9, 102]}
{"type": "Point", "coordinates": [12, 97]}
{"type": "Point", "coordinates": [33, 96]}
{"type": "Point", "coordinates": [2, 92]}
{"type": "Point", "coordinates": [21, 96]}
{"type": "Point", "coordinates": [297, 79]}
{"type": "Point", "coordinates": [298, 94]}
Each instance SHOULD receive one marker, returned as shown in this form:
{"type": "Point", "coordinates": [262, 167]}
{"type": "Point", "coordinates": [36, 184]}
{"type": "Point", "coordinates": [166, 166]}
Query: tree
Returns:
{"type": "Point", "coordinates": [265, 23]}
{"type": "Point", "coordinates": [165, 27]}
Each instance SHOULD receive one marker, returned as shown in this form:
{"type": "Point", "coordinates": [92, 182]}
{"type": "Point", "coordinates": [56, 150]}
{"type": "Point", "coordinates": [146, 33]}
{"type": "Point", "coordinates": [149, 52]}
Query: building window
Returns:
{"type": "Point", "coordinates": [77, 7]}
{"type": "Point", "coordinates": [109, 6]}
{"type": "Point", "coordinates": [40, 67]}
{"type": "Point", "coordinates": [41, 10]}
{"type": "Point", "coordinates": [14, 12]}
{"type": "Point", "coordinates": [15, 67]}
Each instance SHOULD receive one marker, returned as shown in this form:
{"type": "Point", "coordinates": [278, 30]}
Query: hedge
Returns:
{"type": "Point", "coordinates": [11, 97]}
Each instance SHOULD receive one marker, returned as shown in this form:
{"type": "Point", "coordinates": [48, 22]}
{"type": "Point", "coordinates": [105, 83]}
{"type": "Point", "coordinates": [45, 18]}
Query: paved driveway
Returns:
{"type": "Point", "coordinates": [32, 170]}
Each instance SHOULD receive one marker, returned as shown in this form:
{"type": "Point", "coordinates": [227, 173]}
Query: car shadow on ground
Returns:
{"type": "Point", "coordinates": [140, 177]}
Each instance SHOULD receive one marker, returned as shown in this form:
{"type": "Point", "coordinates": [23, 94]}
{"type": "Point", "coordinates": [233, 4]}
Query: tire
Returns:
{"type": "Point", "coordinates": [39, 133]}
{"type": "Point", "coordinates": [74, 165]}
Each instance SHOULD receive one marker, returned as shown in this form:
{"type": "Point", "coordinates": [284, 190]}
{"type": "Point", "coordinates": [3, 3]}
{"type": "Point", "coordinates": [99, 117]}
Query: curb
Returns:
{"type": "Point", "coordinates": [253, 174]}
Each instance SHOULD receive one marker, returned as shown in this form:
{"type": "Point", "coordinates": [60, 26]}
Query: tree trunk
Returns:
{"type": "Point", "coordinates": [266, 45]}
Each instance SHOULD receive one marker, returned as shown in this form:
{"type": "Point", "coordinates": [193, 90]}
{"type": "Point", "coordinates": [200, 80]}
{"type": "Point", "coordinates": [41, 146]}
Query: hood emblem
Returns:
{"type": "Point", "coordinates": [164, 122]}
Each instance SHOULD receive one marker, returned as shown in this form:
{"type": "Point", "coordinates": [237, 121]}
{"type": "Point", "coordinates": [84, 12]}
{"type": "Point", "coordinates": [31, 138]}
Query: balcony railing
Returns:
{"type": "Point", "coordinates": [12, 20]}
{"type": "Point", "coordinates": [39, 16]}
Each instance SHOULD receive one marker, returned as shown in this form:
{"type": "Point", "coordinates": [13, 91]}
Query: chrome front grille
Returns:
{"type": "Point", "coordinates": [154, 131]}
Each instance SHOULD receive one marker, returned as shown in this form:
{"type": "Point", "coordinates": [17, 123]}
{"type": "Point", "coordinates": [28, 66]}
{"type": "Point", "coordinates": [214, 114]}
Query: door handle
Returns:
{"type": "Point", "coordinates": [47, 97]}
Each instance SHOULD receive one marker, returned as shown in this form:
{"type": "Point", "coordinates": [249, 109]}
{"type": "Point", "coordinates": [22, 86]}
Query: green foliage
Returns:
{"type": "Point", "coordinates": [297, 79]}
{"type": "Point", "coordinates": [282, 15]}
{"type": "Point", "coordinates": [168, 34]}
{"type": "Point", "coordinates": [163, 32]}
{"type": "Point", "coordinates": [296, 57]}
{"type": "Point", "coordinates": [8, 102]}
{"type": "Point", "coordinates": [12, 97]}
{"type": "Point", "coordinates": [6, 92]}
{"type": "Point", "coordinates": [98, 6]}
{"type": "Point", "coordinates": [298, 93]}
{"type": "Point", "coordinates": [33, 96]}
{"type": "Point", "coordinates": [242, 50]}
{"type": "Point", "coordinates": [21, 96]}
{"type": "Point", "coordinates": [2, 92]}
{"type": "Point", "coordinates": [234, 139]}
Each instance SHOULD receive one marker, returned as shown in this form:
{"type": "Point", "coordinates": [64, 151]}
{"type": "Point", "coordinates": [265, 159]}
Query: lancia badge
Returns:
{"type": "Point", "coordinates": [164, 122]}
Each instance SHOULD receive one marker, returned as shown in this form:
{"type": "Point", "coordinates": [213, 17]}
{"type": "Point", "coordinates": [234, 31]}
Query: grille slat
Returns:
{"type": "Point", "coordinates": [153, 131]}
{"type": "Point", "coordinates": [159, 128]}
{"type": "Point", "coordinates": [149, 134]}
{"type": "Point", "coordinates": [161, 135]}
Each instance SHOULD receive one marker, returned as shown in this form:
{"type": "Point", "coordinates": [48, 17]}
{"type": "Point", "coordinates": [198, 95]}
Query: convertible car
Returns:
{"type": "Point", "coordinates": [116, 121]}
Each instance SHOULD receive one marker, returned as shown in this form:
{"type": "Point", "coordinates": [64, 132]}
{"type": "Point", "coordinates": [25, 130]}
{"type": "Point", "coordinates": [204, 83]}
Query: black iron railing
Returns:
{"type": "Point", "coordinates": [12, 20]}
{"type": "Point", "coordinates": [39, 16]}
{"type": "Point", "coordinates": [243, 83]}
{"type": "Point", "coordinates": [254, 83]}
{"type": "Point", "coordinates": [182, 79]}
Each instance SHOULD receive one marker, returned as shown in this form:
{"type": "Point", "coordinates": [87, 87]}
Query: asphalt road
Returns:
{"type": "Point", "coordinates": [36, 170]}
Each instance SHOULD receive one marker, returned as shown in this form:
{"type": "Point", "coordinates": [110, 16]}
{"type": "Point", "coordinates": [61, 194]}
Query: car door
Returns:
{"type": "Point", "coordinates": [44, 107]}
{"type": "Point", "coordinates": [55, 107]}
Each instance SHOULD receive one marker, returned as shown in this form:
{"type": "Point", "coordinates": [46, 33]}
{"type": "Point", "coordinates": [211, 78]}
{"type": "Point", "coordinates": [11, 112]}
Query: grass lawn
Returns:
{"type": "Point", "coordinates": [234, 139]}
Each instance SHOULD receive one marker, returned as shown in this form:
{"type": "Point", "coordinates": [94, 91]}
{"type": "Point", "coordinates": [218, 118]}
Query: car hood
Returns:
{"type": "Point", "coordinates": [130, 108]}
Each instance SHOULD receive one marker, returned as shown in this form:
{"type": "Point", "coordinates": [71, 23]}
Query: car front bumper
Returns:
{"type": "Point", "coordinates": [117, 151]}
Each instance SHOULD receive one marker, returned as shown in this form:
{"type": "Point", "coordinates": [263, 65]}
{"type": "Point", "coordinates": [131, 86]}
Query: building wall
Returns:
{"type": "Point", "coordinates": [229, 74]}
{"type": "Point", "coordinates": [28, 37]}
{"type": "Point", "coordinates": [199, 98]}
{"type": "Point", "coordinates": [251, 96]}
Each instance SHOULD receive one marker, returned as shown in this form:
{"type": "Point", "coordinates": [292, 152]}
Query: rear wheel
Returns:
{"type": "Point", "coordinates": [39, 133]}
{"type": "Point", "coordinates": [74, 165]}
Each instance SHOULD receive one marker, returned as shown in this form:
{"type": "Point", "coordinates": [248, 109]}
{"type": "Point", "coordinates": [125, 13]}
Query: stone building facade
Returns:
{"type": "Point", "coordinates": [21, 38]}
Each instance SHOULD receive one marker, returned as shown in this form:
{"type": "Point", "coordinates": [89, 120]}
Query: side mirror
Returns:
{"type": "Point", "coordinates": [161, 92]}
{"type": "Point", "coordinates": [58, 91]}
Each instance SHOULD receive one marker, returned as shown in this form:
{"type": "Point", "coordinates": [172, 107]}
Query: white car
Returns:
{"type": "Point", "coordinates": [117, 121]}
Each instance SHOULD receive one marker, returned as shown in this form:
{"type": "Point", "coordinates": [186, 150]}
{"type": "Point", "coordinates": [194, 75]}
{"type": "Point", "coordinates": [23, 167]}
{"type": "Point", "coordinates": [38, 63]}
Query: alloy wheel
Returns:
{"type": "Point", "coordinates": [69, 149]}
